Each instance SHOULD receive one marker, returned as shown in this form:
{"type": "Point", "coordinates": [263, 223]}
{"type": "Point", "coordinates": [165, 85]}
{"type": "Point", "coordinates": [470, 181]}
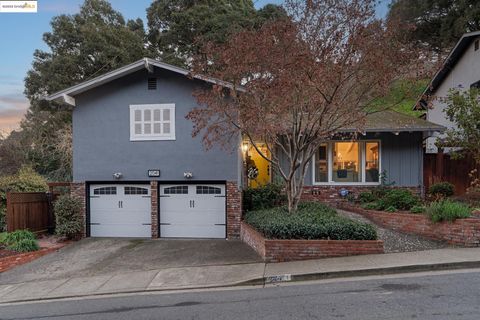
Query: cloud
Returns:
{"type": "Point", "coordinates": [12, 110]}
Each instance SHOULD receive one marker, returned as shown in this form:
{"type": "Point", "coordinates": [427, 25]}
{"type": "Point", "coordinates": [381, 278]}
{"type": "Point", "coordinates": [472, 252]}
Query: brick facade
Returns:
{"type": "Point", "coordinates": [234, 210]}
{"type": "Point", "coordinates": [331, 194]}
{"type": "Point", "coordinates": [274, 250]}
{"type": "Point", "coordinates": [154, 212]}
{"type": "Point", "coordinates": [77, 190]}
{"type": "Point", "coordinates": [464, 232]}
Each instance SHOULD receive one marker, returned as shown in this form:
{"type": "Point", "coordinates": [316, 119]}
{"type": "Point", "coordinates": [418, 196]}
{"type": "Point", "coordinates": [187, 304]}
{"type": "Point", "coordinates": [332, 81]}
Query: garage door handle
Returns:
{"type": "Point", "coordinates": [94, 224]}
{"type": "Point", "coordinates": [146, 196]}
{"type": "Point", "coordinates": [146, 224]}
{"type": "Point", "coordinates": [219, 224]}
{"type": "Point", "coordinates": [219, 196]}
{"type": "Point", "coordinates": [165, 224]}
{"type": "Point", "coordinates": [94, 196]}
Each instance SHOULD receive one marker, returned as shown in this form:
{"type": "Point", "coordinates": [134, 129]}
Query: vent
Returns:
{"type": "Point", "coordinates": [152, 83]}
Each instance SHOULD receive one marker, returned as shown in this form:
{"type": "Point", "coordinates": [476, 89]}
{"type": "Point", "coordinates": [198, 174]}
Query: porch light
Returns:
{"type": "Point", "coordinates": [245, 147]}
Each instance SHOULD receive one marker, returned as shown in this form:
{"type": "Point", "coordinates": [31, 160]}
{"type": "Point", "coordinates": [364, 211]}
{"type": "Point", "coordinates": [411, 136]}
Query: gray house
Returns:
{"type": "Point", "coordinates": [140, 173]}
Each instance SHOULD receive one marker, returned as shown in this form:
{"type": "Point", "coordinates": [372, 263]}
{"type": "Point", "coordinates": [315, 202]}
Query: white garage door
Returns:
{"type": "Point", "coordinates": [192, 211]}
{"type": "Point", "coordinates": [120, 211]}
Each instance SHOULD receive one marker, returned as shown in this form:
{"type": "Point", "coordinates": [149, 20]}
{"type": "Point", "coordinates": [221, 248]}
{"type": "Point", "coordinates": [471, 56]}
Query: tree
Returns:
{"type": "Point", "coordinates": [81, 46]}
{"type": "Point", "coordinates": [178, 27]}
{"type": "Point", "coordinates": [463, 109]}
{"type": "Point", "coordinates": [299, 81]}
{"type": "Point", "coordinates": [438, 23]}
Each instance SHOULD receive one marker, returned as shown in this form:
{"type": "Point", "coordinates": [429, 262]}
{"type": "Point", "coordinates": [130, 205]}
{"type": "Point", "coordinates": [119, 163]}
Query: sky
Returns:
{"type": "Point", "coordinates": [21, 35]}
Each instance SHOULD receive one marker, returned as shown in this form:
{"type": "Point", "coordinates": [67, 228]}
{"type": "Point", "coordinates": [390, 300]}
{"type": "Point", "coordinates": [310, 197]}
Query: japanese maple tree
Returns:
{"type": "Point", "coordinates": [296, 82]}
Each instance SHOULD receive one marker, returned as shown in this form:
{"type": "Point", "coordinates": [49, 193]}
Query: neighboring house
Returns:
{"type": "Point", "coordinates": [140, 173]}
{"type": "Point", "coordinates": [460, 71]}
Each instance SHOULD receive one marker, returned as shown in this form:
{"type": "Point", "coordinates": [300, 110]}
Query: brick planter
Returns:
{"type": "Point", "coordinates": [274, 250]}
{"type": "Point", "coordinates": [464, 232]}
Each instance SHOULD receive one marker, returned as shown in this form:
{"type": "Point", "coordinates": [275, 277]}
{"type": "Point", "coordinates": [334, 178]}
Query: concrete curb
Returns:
{"type": "Point", "coordinates": [262, 281]}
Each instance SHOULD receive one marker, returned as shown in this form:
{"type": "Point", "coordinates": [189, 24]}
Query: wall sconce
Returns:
{"type": "Point", "coordinates": [117, 175]}
{"type": "Point", "coordinates": [188, 175]}
{"type": "Point", "coordinates": [245, 147]}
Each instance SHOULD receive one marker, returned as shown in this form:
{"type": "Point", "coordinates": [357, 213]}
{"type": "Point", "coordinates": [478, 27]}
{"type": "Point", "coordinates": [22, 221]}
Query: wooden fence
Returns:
{"type": "Point", "coordinates": [441, 167]}
{"type": "Point", "coordinates": [30, 211]}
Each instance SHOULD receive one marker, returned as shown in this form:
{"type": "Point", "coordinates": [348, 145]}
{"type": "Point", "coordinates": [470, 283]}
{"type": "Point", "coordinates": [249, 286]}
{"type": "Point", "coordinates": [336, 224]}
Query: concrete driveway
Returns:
{"type": "Point", "coordinates": [110, 256]}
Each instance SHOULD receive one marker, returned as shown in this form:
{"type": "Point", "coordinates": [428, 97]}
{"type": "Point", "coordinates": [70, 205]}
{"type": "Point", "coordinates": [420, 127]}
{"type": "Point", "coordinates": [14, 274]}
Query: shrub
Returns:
{"type": "Point", "coordinates": [400, 199]}
{"type": "Point", "coordinates": [446, 210]}
{"type": "Point", "coordinates": [24, 245]}
{"type": "Point", "coordinates": [371, 206]}
{"type": "Point", "coordinates": [442, 189]}
{"type": "Point", "coordinates": [264, 197]}
{"type": "Point", "coordinates": [311, 221]}
{"type": "Point", "coordinates": [366, 197]}
{"type": "Point", "coordinates": [391, 209]}
{"type": "Point", "coordinates": [3, 235]}
{"type": "Point", "coordinates": [417, 209]}
{"type": "Point", "coordinates": [11, 238]}
{"type": "Point", "coordinates": [26, 180]}
{"type": "Point", "coordinates": [68, 218]}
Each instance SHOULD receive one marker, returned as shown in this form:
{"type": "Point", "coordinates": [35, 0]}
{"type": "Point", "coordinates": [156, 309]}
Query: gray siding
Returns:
{"type": "Point", "coordinates": [401, 157]}
{"type": "Point", "coordinates": [101, 134]}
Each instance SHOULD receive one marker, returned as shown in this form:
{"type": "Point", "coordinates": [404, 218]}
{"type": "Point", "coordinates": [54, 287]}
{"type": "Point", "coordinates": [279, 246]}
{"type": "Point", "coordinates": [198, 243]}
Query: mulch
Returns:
{"type": "Point", "coordinates": [10, 259]}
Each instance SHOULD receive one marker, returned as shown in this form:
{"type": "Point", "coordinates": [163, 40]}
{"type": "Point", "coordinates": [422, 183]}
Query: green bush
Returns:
{"type": "Point", "coordinates": [3, 235]}
{"type": "Point", "coordinates": [24, 245]}
{"type": "Point", "coordinates": [311, 221]}
{"type": "Point", "coordinates": [68, 218]}
{"type": "Point", "coordinates": [400, 199]}
{"type": "Point", "coordinates": [263, 197]}
{"type": "Point", "coordinates": [442, 189]}
{"type": "Point", "coordinates": [417, 209]}
{"type": "Point", "coordinates": [11, 238]}
{"type": "Point", "coordinates": [391, 209]}
{"type": "Point", "coordinates": [446, 210]}
{"type": "Point", "coordinates": [26, 180]}
{"type": "Point", "coordinates": [366, 197]}
{"type": "Point", "coordinates": [371, 206]}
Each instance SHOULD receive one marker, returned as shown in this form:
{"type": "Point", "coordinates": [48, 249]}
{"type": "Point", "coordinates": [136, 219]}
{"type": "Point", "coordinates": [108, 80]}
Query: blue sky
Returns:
{"type": "Point", "coordinates": [22, 34]}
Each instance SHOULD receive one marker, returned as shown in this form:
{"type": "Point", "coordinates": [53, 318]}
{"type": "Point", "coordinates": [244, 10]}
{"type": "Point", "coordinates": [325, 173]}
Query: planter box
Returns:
{"type": "Point", "coordinates": [276, 250]}
{"type": "Point", "coordinates": [464, 232]}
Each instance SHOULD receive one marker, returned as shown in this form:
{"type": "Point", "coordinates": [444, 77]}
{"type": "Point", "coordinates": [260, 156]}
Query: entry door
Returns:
{"type": "Point", "coordinates": [192, 211]}
{"type": "Point", "coordinates": [120, 210]}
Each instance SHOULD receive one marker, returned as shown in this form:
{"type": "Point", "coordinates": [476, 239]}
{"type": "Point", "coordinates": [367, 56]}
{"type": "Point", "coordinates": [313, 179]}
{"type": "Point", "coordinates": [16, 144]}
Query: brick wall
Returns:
{"type": "Point", "coordinates": [272, 250]}
{"type": "Point", "coordinates": [464, 232]}
{"type": "Point", "coordinates": [234, 210]}
{"type": "Point", "coordinates": [154, 210]}
{"type": "Point", "coordinates": [331, 193]}
{"type": "Point", "coordinates": [77, 190]}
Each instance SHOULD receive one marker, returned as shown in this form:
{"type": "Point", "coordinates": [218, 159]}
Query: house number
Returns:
{"type": "Point", "coordinates": [154, 173]}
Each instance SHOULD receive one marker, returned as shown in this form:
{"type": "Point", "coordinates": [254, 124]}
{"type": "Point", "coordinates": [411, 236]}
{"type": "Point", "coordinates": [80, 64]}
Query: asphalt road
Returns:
{"type": "Point", "coordinates": [440, 295]}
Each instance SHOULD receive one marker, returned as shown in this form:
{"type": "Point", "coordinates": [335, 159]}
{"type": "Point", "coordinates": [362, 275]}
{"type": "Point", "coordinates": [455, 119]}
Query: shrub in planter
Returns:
{"type": "Point", "coordinates": [391, 209]}
{"type": "Point", "coordinates": [24, 245]}
{"type": "Point", "coordinates": [400, 199]}
{"type": "Point", "coordinates": [263, 197]}
{"type": "Point", "coordinates": [18, 235]}
{"type": "Point", "coordinates": [442, 190]}
{"type": "Point", "coordinates": [371, 206]}
{"type": "Point", "coordinates": [417, 209]}
{"type": "Point", "coordinates": [446, 210]}
{"type": "Point", "coordinates": [366, 197]}
{"type": "Point", "coordinates": [20, 241]}
{"type": "Point", "coordinates": [68, 218]}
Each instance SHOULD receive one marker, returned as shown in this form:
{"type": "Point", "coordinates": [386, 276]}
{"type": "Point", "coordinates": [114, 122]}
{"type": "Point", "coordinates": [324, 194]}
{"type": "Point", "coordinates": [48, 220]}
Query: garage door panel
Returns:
{"type": "Point", "coordinates": [120, 230]}
{"type": "Point", "coordinates": [192, 231]}
{"type": "Point", "coordinates": [120, 217]}
{"type": "Point", "coordinates": [197, 217]}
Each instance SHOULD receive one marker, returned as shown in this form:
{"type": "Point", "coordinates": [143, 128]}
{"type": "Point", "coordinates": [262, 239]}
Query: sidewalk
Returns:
{"type": "Point", "coordinates": [241, 274]}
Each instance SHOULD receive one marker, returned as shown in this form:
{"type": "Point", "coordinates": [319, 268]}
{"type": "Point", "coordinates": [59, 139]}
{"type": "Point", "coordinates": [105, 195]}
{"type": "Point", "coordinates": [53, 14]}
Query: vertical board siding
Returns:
{"type": "Point", "coordinates": [28, 211]}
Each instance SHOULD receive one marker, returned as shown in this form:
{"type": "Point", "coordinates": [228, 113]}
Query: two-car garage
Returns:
{"type": "Point", "coordinates": [185, 210]}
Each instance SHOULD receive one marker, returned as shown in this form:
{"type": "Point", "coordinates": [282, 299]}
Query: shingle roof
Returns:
{"type": "Point", "coordinates": [392, 121]}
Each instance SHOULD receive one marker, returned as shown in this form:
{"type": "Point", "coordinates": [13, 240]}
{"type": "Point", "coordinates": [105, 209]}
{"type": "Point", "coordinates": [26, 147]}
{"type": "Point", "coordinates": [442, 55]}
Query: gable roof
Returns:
{"type": "Point", "coordinates": [452, 59]}
{"type": "Point", "coordinates": [67, 95]}
{"type": "Point", "coordinates": [396, 122]}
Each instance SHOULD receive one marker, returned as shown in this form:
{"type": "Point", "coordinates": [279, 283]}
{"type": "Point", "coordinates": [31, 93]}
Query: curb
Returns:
{"type": "Point", "coordinates": [262, 281]}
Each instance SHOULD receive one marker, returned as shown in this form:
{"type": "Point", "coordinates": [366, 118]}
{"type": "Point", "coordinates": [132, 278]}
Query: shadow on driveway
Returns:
{"type": "Point", "coordinates": [109, 256]}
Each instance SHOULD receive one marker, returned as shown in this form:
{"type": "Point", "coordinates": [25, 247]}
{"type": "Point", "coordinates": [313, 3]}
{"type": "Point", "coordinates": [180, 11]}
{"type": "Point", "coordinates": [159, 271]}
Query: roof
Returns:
{"type": "Point", "coordinates": [392, 121]}
{"type": "Point", "coordinates": [453, 57]}
{"type": "Point", "coordinates": [67, 95]}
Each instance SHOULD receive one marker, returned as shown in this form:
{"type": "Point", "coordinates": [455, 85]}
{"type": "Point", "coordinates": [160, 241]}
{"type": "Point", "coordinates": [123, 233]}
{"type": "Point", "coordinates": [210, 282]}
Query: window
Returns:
{"type": "Point", "coordinates": [105, 190]}
{"type": "Point", "coordinates": [176, 190]}
{"type": "Point", "coordinates": [135, 190]}
{"type": "Point", "coordinates": [152, 122]}
{"type": "Point", "coordinates": [208, 190]}
{"type": "Point", "coordinates": [347, 162]}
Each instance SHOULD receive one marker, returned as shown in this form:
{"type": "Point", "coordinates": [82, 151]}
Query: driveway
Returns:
{"type": "Point", "coordinates": [110, 256]}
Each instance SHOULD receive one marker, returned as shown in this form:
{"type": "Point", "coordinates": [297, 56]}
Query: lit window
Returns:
{"type": "Point", "coordinates": [346, 162]}
{"type": "Point", "coordinates": [152, 122]}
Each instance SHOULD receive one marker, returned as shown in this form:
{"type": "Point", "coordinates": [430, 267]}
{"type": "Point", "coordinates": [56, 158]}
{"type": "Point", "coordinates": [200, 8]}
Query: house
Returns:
{"type": "Point", "coordinates": [140, 173]}
{"type": "Point", "coordinates": [460, 71]}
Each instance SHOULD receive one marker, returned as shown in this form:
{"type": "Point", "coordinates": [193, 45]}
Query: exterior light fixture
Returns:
{"type": "Point", "coordinates": [245, 147]}
{"type": "Point", "coordinates": [188, 175]}
{"type": "Point", "coordinates": [117, 175]}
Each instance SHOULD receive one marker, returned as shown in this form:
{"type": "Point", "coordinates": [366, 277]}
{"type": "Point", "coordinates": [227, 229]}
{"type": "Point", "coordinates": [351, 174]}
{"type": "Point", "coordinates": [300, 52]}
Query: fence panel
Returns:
{"type": "Point", "coordinates": [28, 210]}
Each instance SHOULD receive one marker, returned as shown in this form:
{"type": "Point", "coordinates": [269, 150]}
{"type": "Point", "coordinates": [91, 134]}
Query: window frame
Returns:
{"type": "Point", "coordinates": [362, 146]}
{"type": "Point", "coordinates": [152, 136]}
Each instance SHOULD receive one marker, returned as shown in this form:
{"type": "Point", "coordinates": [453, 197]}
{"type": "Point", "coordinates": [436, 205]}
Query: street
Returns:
{"type": "Point", "coordinates": [432, 295]}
